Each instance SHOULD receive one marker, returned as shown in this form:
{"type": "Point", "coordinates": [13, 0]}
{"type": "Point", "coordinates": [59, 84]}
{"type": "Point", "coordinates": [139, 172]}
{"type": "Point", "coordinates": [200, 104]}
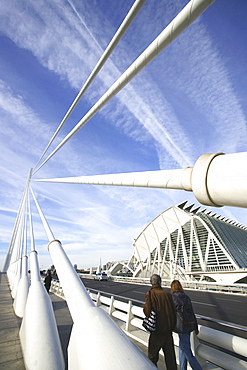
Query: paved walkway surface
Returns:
{"type": "Point", "coordinates": [11, 357]}
{"type": "Point", "coordinates": [10, 348]}
{"type": "Point", "coordinates": [64, 324]}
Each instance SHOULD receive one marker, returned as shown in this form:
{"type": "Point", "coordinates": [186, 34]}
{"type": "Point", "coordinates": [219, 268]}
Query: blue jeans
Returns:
{"type": "Point", "coordinates": [185, 353]}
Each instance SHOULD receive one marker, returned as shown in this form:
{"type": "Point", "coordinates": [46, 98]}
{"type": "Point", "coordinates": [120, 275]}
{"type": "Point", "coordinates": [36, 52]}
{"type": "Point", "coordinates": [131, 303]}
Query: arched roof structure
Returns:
{"type": "Point", "coordinates": [191, 243]}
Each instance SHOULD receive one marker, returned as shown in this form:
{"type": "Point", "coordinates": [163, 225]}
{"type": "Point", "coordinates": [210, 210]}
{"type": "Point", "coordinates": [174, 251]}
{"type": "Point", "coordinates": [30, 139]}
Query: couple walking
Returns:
{"type": "Point", "coordinates": [168, 310]}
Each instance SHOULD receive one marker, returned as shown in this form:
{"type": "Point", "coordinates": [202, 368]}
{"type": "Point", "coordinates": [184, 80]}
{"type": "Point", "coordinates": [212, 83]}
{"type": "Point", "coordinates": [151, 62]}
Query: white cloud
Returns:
{"type": "Point", "coordinates": [57, 56]}
{"type": "Point", "coordinates": [180, 106]}
{"type": "Point", "coordinates": [205, 80]}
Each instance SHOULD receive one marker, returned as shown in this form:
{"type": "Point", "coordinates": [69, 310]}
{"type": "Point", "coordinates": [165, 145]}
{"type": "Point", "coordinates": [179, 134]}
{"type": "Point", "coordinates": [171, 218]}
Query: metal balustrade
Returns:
{"type": "Point", "coordinates": [129, 316]}
{"type": "Point", "coordinates": [195, 285]}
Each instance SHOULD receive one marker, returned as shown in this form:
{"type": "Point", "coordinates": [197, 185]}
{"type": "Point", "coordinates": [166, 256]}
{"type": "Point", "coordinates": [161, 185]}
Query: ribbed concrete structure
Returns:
{"type": "Point", "coordinates": [188, 243]}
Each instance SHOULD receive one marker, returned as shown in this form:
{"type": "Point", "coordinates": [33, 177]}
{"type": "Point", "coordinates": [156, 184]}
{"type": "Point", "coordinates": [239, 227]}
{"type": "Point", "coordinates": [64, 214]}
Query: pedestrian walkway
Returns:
{"type": "Point", "coordinates": [64, 323]}
{"type": "Point", "coordinates": [10, 348]}
{"type": "Point", "coordinates": [11, 357]}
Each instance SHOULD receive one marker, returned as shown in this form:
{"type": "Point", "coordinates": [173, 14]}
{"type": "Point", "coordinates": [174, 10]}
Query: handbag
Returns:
{"type": "Point", "coordinates": [149, 323]}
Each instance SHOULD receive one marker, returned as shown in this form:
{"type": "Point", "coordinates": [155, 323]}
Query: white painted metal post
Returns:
{"type": "Point", "coordinates": [24, 283]}
{"type": "Point", "coordinates": [111, 307]}
{"type": "Point", "coordinates": [97, 303]}
{"type": "Point", "coordinates": [195, 346]}
{"type": "Point", "coordinates": [17, 277]}
{"type": "Point", "coordinates": [38, 334]}
{"type": "Point", "coordinates": [18, 249]}
{"type": "Point", "coordinates": [11, 274]}
{"type": "Point", "coordinates": [23, 288]}
{"type": "Point", "coordinates": [130, 316]}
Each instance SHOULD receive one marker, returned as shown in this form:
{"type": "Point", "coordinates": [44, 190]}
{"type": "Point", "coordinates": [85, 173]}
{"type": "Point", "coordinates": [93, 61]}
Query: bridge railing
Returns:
{"type": "Point", "coordinates": [128, 315]}
{"type": "Point", "coordinates": [204, 285]}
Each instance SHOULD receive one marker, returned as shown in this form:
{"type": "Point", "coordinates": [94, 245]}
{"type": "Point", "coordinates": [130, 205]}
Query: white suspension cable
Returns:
{"type": "Point", "coordinates": [115, 40]}
{"type": "Point", "coordinates": [190, 12]}
{"type": "Point", "coordinates": [25, 230]}
{"type": "Point", "coordinates": [32, 242]}
{"type": "Point", "coordinates": [17, 222]}
{"type": "Point", "coordinates": [20, 236]}
{"type": "Point", "coordinates": [43, 219]}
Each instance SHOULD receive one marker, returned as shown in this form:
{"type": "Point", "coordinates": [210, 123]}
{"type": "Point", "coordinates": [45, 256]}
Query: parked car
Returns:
{"type": "Point", "coordinates": [101, 276]}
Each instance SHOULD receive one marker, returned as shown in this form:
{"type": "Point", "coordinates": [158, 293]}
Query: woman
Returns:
{"type": "Point", "coordinates": [184, 326]}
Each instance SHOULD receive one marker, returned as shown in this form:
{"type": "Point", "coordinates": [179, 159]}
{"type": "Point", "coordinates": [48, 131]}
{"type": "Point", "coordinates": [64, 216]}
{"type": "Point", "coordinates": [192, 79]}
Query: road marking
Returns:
{"type": "Point", "coordinates": [205, 304]}
{"type": "Point", "coordinates": [136, 291]}
{"type": "Point", "coordinates": [232, 300]}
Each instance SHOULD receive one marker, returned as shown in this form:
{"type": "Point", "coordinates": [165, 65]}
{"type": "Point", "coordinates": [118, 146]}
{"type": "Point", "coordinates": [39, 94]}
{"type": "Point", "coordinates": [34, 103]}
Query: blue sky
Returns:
{"type": "Point", "coordinates": [188, 101]}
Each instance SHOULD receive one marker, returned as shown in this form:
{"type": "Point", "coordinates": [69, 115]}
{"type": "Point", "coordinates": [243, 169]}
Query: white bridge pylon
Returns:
{"type": "Point", "coordinates": [216, 179]}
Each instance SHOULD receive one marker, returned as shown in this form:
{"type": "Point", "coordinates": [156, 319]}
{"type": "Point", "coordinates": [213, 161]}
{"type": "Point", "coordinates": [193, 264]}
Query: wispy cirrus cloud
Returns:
{"type": "Point", "coordinates": [66, 57]}
{"type": "Point", "coordinates": [180, 106]}
{"type": "Point", "coordinates": [202, 74]}
{"type": "Point", "coordinates": [61, 45]}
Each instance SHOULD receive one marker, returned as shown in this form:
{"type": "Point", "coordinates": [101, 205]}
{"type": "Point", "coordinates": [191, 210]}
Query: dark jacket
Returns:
{"type": "Point", "coordinates": [162, 303]}
{"type": "Point", "coordinates": [181, 299]}
{"type": "Point", "coordinates": [48, 280]}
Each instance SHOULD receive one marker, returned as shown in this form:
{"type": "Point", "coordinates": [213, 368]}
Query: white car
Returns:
{"type": "Point", "coordinates": [101, 276]}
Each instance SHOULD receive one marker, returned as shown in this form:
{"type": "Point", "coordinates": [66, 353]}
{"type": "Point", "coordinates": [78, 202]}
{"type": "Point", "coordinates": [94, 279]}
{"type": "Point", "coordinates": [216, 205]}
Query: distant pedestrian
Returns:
{"type": "Point", "coordinates": [186, 323]}
{"type": "Point", "coordinates": [48, 280]}
{"type": "Point", "coordinates": [161, 301]}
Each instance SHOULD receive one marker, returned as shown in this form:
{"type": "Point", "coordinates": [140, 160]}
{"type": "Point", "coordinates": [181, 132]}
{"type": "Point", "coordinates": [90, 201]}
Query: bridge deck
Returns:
{"type": "Point", "coordinates": [10, 348]}
{"type": "Point", "coordinates": [11, 357]}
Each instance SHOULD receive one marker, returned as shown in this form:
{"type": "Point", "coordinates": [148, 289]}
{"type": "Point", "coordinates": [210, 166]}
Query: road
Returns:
{"type": "Point", "coordinates": [229, 308]}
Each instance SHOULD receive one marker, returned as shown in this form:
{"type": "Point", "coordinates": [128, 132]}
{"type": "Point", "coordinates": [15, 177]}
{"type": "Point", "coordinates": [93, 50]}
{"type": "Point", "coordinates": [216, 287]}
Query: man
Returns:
{"type": "Point", "coordinates": [48, 280]}
{"type": "Point", "coordinates": [161, 301]}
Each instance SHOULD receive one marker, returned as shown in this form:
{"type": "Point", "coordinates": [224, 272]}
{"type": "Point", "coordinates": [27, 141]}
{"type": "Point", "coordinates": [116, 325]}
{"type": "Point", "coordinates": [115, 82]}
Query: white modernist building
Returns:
{"type": "Point", "coordinates": [188, 244]}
